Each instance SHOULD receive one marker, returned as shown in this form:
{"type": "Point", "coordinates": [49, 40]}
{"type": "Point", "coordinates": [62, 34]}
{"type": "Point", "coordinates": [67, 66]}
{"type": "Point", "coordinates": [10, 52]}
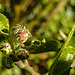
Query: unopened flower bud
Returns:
{"type": "Point", "coordinates": [21, 32]}
{"type": "Point", "coordinates": [22, 54]}
{"type": "Point", "coordinates": [5, 48]}
{"type": "Point", "coordinates": [16, 29]}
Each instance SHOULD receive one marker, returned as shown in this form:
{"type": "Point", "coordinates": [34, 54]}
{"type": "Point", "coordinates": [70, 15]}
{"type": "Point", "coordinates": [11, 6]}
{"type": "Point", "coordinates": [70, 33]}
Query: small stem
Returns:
{"type": "Point", "coordinates": [62, 35]}
{"type": "Point", "coordinates": [25, 65]}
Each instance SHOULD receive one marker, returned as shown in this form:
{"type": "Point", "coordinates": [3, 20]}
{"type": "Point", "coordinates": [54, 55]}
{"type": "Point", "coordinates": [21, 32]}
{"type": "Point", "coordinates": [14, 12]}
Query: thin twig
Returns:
{"type": "Point", "coordinates": [25, 65]}
{"type": "Point", "coordinates": [62, 35]}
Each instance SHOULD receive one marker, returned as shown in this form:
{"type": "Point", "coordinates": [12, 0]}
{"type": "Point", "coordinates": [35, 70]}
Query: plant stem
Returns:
{"type": "Point", "coordinates": [62, 35]}
{"type": "Point", "coordinates": [25, 65]}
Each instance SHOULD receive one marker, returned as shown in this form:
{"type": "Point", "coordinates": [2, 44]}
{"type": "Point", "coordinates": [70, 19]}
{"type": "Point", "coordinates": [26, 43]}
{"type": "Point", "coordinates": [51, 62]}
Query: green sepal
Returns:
{"type": "Point", "coordinates": [15, 43]}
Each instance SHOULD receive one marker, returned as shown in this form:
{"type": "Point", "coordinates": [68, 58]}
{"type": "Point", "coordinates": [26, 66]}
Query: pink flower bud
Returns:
{"type": "Point", "coordinates": [21, 32]}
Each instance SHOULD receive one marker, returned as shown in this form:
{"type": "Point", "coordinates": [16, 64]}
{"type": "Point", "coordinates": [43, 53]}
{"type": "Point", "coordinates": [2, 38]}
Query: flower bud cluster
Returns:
{"type": "Point", "coordinates": [17, 36]}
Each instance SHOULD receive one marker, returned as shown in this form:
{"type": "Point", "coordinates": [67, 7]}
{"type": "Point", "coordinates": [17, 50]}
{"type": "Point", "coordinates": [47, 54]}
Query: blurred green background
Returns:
{"type": "Point", "coordinates": [45, 19]}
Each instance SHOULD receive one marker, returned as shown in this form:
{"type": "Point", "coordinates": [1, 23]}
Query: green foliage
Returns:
{"type": "Point", "coordinates": [49, 63]}
{"type": "Point", "coordinates": [7, 62]}
{"type": "Point", "coordinates": [72, 71]}
{"type": "Point", "coordinates": [4, 27]}
{"type": "Point", "coordinates": [65, 56]}
{"type": "Point", "coordinates": [67, 72]}
{"type": "Point", "coordinates": [51, 45]}
{"type": "Point", "coordinates": [2, 38]}
{"type": "Point", "coordinates": [4, 23]}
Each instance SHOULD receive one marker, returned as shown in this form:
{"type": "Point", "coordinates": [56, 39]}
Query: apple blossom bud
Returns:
{"type": "Point", "coordinates": [21, 32]}
{"type": "Point", "coordinates": [22, 54]}
{"type": "Point", "coordinates": [5, 48]}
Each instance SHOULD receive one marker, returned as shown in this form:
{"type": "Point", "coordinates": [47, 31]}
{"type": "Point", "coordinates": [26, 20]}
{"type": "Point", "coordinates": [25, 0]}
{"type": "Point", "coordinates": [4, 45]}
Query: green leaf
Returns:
{"type": "Point", "coordinates": [67, 72]}
{"type": "Point", "coordinates": [2, 39]}
{"type": "Point", "coordinates": [51, 45]}
{"type": "Point", "coordinates": [65, 56]}
{"type": "Point", "coordinates": [7, 62]}
{"type": "Point", "coordinates": [4, 27]}
{"type": "Point", "coordinates": [4, 23]}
